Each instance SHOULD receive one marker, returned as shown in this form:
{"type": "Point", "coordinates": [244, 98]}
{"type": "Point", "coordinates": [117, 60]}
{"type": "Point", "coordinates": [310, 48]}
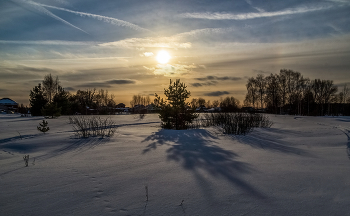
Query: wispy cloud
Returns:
{"type": "Point", "coordinates": [164, 42]}
{"type": "Point", "coordinates": [341, 2]}
{"type": "Point", "coordinates": [50, 42]}
{"type": "Point", "coordinates": [43, 10]}
{"type": "Point", "coordinates": [213, 80]}
{"type": "Point", "coordinates": [148, 54]}
{"type": "Point", "coordinates": [171, 70]}
{"type": "Point", "coordinates": [177, 41]}
{"type": "Point", "coordinates": [205, 31]}
{"type": "Point", "coordinates": [108, 83]}
{"type": "Point", "coordinates": [256, 8]}
{"type": "Point", "coordinates": [110, 20]}
{"type": "Point", "coordinates": [245, 16]}
{"type": "Point", "coordinates": [219, 78]}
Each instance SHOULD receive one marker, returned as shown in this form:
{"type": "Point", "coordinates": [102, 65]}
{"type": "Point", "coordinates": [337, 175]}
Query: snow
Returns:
{"type": "Point", "coordinates": [299, 166]}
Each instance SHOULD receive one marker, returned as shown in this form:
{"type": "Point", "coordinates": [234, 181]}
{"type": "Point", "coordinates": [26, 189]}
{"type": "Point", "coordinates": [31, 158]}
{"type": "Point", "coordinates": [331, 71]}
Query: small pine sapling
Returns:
{"type": "Point", "coordinates": [43, 126]}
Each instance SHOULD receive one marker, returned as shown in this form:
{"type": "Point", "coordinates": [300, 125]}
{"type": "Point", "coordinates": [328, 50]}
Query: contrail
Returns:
{"type": "Point", "coordinates": [111, 20]}
{"type": "Point", "coordinates": [51, 42]}
{"type": "Point", "coordinates": [245, 16]}
{"type": "Point", "coordinates": [47, 12]}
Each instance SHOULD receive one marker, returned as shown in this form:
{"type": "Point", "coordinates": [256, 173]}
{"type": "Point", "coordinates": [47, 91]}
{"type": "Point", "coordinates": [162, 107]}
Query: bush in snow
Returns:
{"type": "Point", "coordinates": [92, 126]}
{"type": "Point", "coordinates": [236, 123]}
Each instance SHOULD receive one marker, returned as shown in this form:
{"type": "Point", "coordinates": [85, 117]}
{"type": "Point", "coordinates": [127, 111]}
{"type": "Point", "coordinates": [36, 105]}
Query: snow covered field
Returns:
{"type": "Point", "coordinates": [299, 166]}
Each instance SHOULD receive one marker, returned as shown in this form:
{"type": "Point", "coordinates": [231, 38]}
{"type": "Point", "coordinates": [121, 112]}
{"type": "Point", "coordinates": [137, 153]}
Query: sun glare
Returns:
{"type": "Point", "coordinates": [163, 57]}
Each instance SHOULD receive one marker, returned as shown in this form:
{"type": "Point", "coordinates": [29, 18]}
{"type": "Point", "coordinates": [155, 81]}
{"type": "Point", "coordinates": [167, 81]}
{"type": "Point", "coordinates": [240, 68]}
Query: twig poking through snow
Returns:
{"type": "Point", "coordinates": [26, 159]}
{"type": "Point", "coordinates": [182, 202]}
{"type": "Point", "coordinates": [19, 134]}
{"type": "Point", "coordinates": [146, 187]}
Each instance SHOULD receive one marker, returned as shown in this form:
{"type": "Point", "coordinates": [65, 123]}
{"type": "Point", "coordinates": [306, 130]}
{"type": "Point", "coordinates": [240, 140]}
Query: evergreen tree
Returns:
{"type": "Point", "coordinates": [61, 98]}
{"type": "Point", "coordinates": [37, 100]}
{"type": "Point", "coordinates": [175, 113]}
{"type": "Point", "coordinates": [51, 110]}
{"type": "Point", "coordinates": [43, 127]}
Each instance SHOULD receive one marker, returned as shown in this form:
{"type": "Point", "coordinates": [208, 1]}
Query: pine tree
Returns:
{"type": "Point", "coordinates": [62, 100]}
{"type": "Point", "coordinates": [37, 100]}
{"type": "Point", "coordinates": [51, 110]}
{"type": "Point", "coordinates": [43, 126]}
{"type": "Point", "coordinates": [175, 113]}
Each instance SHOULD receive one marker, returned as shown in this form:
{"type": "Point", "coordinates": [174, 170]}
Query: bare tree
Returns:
{"type": "Point", "coordinates": [50, 87]}
{"type": "Point", "coordinates": [272, 98]}
{"type": "Point", "coordinates": [252, 94]}
{"type": "Point", "coordinates": [261, 87]}
{"type": "Point", "coordinates": [324, 91]}
{"type": "Point", "coordinates": [282, 78]}
{"type": "Point", "coordinates": [215, 103]}
{"type": "Point", "coordinates": [140, 100]}
{"type": "Point", "coordinates": [345, 92]}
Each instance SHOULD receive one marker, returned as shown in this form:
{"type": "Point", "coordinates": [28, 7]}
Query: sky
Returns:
{"type": "Point", "coordinates": [214, 45]}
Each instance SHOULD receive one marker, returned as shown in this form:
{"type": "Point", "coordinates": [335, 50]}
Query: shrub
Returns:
{"type": "Point", "coordinates": [92, 126]}
{"type": "Point", "coordinates": [236, 123]}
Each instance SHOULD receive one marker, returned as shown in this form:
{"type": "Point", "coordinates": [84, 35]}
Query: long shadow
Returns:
{"type": "Point", "coordinates": [77, 145]}
{"type": "Point", "coordinates": [27, 119]}
{"type": "Point", "coordinates": [196, 150]}
{"type": "Point", "coordinates": [133, 124]}
{"type": "Point", "coordinates": [19, 138]}
{"type": "Point", "coordinates": [265, 142]}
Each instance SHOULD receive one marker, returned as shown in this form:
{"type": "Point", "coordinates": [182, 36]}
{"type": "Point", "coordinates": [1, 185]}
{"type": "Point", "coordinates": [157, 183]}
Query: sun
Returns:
{"type": "Point", "coordinates": [163, 57]}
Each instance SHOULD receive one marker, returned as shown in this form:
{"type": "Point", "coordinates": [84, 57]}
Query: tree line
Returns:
{"type": "Point", "coordinates": [290, 92]}
{"type": "Point", "coordinates": [50, 99]}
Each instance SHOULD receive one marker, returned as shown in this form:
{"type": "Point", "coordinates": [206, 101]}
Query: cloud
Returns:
{"type": "Point", "coordinates": [110, 20]}
{"type": "Point", "coordinates": [43, 10]}
{"type": "Point", "coordinates": [261, 71]}
{"type": "Point", "coordinates": [205, 31]}
{"type": "Point", "coordinates": [256, 8]}
{"type": "Point", "coordinates": [69, 89]}
{"type": "Point", "coordinates": [107, 84]}
{"type": "Point", "coordinates": [157, 42]}
{"type": "Point", "coordinates": [121, 82]}
{"type": "Point", "coordinates": [148, 54]}
{"type": "Point", "coordinates": [261, 14]}
{"type": "Point", "coordinates": [217, 93]}
{"type": "Point", "coordinates": [171, 70]}
{"type": "Point", "coordinates": [219, 78]}
{"type": "Point", "coordinates": [20, 72]}
{"type": "Point", "coordinates": [210, 83]}
{"type": "Point", "coordinates": [50, 42]}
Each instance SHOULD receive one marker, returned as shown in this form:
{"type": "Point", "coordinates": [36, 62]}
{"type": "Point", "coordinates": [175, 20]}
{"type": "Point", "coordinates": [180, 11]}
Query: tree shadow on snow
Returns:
{"type": "Point", "coordinates": [268, 142]}
{"type": "Point", "coordinates": [196, 150]}
{"type": "Point", "coordinates": [77, 145]}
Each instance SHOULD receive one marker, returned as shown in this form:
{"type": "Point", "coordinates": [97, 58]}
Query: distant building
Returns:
{"type": "Point", "coordinates": [8, 105]}
{"type": "Point", "coordinates": [202, 108]}
{"type": "Point", "coordinates": [120, 105]}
